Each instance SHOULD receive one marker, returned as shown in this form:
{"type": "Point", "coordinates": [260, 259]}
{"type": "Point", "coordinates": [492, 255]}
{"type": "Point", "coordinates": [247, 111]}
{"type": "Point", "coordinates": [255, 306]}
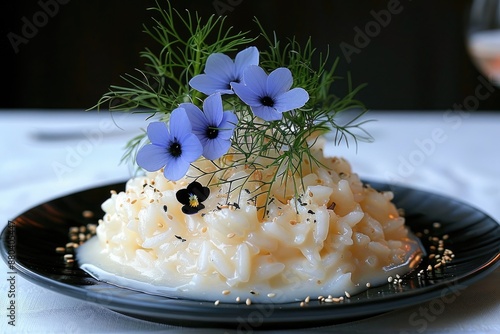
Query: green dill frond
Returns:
{"type": "Point", "coordinates": [184, 42]}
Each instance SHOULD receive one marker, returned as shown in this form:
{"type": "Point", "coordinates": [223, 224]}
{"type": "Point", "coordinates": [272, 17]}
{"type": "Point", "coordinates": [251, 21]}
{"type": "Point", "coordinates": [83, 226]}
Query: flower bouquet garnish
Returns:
{"type": "Point", "coordinates": [229, 115]}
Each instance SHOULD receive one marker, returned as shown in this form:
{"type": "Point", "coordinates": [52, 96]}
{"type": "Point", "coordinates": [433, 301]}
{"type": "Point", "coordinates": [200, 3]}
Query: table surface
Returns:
{"type": "Point", "coordinates": [48, 154]}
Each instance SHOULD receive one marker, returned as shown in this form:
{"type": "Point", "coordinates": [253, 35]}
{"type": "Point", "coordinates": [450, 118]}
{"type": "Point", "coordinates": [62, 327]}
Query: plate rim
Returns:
{"type": "Point", "coordinates": [123, 305]}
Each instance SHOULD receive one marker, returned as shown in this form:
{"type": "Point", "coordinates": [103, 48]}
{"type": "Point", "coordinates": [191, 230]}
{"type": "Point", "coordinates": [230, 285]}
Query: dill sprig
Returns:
{"type": "Point", "coordinates": [185, 44]}
{"type": "Point", "coordinates": [186, 41]}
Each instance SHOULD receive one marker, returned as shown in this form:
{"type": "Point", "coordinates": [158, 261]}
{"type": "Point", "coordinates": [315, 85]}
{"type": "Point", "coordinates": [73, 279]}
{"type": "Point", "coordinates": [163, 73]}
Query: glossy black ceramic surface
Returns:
{"type": "Point", "coordinates": [473, 237]}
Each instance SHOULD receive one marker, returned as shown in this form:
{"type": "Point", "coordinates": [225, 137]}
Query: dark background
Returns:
{"type": "Point", "coordinates": [417, 62]}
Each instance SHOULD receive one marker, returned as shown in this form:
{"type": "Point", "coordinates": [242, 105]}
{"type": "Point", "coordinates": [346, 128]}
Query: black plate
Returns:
{"type": "Point", "coordinates": [473, 236]}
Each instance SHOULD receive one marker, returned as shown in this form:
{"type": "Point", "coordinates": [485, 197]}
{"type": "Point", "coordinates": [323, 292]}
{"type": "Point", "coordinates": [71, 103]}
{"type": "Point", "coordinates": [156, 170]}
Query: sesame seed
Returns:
{"type": "Point", "coordinates": [307, 299]}
{"type": "Point", "coordinates": [436, 225]}
{"type": "Point", "coordinates": [347, 294]}
{"type": "Point", "coordinates": [230, 235]}
{"type": "Point", "coordinates": [217, 302]}
{"type": "Point", "coordinates": [368, 285]}
{"type": "Point", "coordinates": [238, 299]}
{"type": "Point", "coordinates": [226, 292]}
{"type": "Point", "coordinates": [60, 250]}
{"type": "Point", "coordinates": [248, 301]}
{"type": "Point", "coordinates": [87, 214]}
{"type": "Point", "coordinates": [302, 304]}
{"type": "Point", "coordinates": [271, 295]}
{"type": "Point", "coordinates": [389, 279]}
{"type": "Point", "coordinates": [328, 300]}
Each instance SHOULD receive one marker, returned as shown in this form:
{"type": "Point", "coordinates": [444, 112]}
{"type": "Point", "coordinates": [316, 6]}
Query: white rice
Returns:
{"type": "Point", "coordinates": [339, 236]}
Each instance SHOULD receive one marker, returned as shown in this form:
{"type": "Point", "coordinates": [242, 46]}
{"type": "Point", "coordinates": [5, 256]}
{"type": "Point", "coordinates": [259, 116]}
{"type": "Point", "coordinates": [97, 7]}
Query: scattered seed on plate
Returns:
{"type": "Point", "coordinates": [87, 214]}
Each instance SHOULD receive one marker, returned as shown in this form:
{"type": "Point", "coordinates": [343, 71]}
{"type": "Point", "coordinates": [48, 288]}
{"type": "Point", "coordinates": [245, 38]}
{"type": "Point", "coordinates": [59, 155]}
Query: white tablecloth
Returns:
{"type": "Point", "coordinates": [49, 154]}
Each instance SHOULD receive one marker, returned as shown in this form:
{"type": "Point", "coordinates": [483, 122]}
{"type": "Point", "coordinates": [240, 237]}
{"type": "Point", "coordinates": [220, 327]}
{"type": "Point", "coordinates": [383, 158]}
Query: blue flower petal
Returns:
{"type": "Point", "coordinates": [245, 58]}
{"type": "Point", "coordinates": [196, 117]}
{"type": "Point", "coordinates": [158, 133]}
{"type": "Point", "coordinates": [176, 168]}
{"type": "Point", "coordinates": [209, 85]}
{"type": "Point", "coordinates": [216, 148]}
{"type": "Point", "coordinates": [212, 107]}
{"type": "Point", "coordinates": [267, 113]}
{"type": "Point", "coordinates": [221, 71]}
{"type": "Point", "coordinates": [152, 157]}
{"type": "Point", "coordinates": [255, 78]}
{"type": "Point", "coordinates": [279, 81]}
{"type": "Point", "coordinates": [179, 124]}
{"type": "Point", "coordinates": [292, 99]}
{"type": "Point", "coordinates": [246, 94]}
{"type": "Point", "coordinates": [191, 148]}
{"type": "Point", "coordinates": [228, 123]}
{"type": "Point", "coordinates": [220, 66]}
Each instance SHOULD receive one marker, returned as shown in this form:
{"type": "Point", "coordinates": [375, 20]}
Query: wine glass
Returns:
{"type": "Point", "coordinates": [483, 37]}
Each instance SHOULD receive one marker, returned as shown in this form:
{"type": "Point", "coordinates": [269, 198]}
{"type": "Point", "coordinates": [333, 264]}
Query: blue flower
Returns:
{"type": "Point", "coordinates": [175, 149]}
{"type": "Point", "coordinates": [221, 71]}
{"type": "Point", "coordinates": [269, 96]}
{"type": "Point", "coordinates": [213, 126]}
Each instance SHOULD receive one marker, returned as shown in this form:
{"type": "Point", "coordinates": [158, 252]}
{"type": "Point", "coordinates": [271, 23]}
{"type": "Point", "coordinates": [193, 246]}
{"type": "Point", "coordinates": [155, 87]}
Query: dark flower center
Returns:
{"type": "Point", "coordinates": [236, 80]}
{"type": "Point", "coordinates": [212, 132]}
{"type": "Point", "coordinates": [267, 101]}
{"type": "Point", "coordinates": [175, 149]}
